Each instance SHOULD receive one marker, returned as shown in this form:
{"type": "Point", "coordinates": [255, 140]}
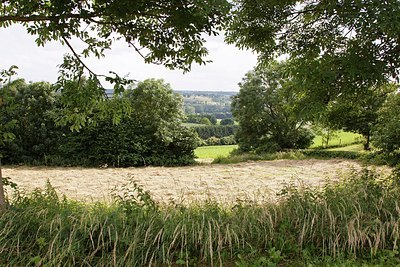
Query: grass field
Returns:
{"type": "Point", "coordinates": [353, 148]}
{"type": "Point", "coordinates": [342, 138]}
{"type": "Point", "coordinates": [345, 139]}
{"type": "Point", "coordinates": [212, 152]}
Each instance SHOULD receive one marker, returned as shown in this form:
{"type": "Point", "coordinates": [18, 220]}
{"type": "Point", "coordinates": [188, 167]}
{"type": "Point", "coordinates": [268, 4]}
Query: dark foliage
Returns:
{"type": "Point", "coordinates": [218, 131]}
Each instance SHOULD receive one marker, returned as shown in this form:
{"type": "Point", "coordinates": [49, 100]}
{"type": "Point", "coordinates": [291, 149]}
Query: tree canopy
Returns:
{"type": "Point", "coordinates": [336, 47]}
{"type": "Point", "coordinates": [268, 112]}
{"type": "Point", "coordinates": [387, 130]}
{"type": "Point", "coordinates": [152, 134]}
{"type": "Point", "coordinates": [170, 33]}
{"type": "Point", "coordinates": [359, 114]}
{"type": "Point", "coordinates": [162, 32]}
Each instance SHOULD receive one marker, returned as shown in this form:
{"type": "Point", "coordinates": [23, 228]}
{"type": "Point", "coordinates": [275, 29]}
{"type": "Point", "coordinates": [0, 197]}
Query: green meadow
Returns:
{"type": "Point", "coordinates": [342, 141]}
{"type": "Point", "coordinates": [340, 138]}
{"type": "Point", "coordinates": [212, 152]}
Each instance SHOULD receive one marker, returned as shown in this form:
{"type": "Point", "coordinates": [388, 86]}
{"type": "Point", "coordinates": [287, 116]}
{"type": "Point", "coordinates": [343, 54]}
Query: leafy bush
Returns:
{"type": "Point", "coordinates": [227, 121]}
{"type": "Point", "coordinates": [198, 118]}
{"type": "Point", "coordinates": [215, 141]}
{"type": "Point", "coordinates": [205, 121]}
{"type": "Point", "coordinates": [30, 106]}
{"type": "Point", "coordinates": [152, 134]}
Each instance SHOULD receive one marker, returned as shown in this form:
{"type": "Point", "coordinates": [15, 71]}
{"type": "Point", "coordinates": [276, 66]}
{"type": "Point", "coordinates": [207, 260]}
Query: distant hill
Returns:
{"type": "Point", "coordinates": [203, 102]}
{"type": "Point", "coordinates": [208, 102]}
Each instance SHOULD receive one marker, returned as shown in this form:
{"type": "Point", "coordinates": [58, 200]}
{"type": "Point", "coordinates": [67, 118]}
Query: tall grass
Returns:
{"type": "Point", "coordinates": [358, 218]}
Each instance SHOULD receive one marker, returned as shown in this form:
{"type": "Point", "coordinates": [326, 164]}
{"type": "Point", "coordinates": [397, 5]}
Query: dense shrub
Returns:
{"type": "Point", "coordinates": [130, 144]}
{"type": "Point", "coordinates": [215, 141]}
{"type": "Point", "coordinates": [198, 118]}
{"type": "Point", "coordinates": [30, 106]}
{"type": "Point", "coordinates": [152, 134]}
{"type": "Point", "coordinates": [227, 121]}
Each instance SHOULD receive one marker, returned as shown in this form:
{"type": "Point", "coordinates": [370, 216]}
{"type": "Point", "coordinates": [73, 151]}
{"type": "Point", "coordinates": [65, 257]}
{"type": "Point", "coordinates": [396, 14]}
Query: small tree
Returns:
{"type": "Point", "coordinates": [268, 113]}
{"type": "Point", "coordinates": [358, 114]}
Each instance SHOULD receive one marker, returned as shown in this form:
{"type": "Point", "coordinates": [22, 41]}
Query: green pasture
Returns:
{"type": "Point", "coordinates": [340, 138]}
{"type": "Point", "coordinates": [345, 140]}
{"type": "Point", "coordinates": [212, 152]}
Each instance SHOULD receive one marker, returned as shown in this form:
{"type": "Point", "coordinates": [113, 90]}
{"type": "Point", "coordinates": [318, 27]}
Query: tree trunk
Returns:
{"type": "Point", "coordinates": [2, 195]}
{"type": "Point", "coordinates": [366, 145]}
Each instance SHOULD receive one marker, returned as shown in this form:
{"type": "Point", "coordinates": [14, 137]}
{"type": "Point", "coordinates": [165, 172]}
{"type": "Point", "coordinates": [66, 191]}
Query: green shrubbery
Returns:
{"type": "Point", "coordinates": [152, 134]}
{"type": "Point", "coordinates": [30, 106]}
{"type": "Point", "coordinates": [355, 220]}
{"type": "Point", "coordinates": [197, 118]}
{"type": "Point", "coordinates": [215, 141]}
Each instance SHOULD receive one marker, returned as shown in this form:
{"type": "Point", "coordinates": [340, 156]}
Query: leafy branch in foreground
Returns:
{"type": "Point", "coordinates": [170, 33]}
{"type": "Point", "coordinates": [163, 32]}
{"type": "Point", "coordinates": [336, 47]}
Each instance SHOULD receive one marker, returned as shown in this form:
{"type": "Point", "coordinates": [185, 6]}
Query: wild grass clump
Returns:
{"type": "Point", "coordinates": [357, 219]}
{"type": "Point", "coordinates": [237, 157]}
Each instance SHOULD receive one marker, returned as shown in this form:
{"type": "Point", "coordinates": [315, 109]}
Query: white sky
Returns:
{"type": "Point", "coordinates": [40, 63]}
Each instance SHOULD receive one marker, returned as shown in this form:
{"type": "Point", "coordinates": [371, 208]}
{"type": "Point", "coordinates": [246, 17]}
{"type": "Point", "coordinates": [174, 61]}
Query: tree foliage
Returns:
{"type": "Point", "coordinates": [151, 134]}
{"type": "Point", "coordinates": [170, 33]}
{"type": "Point", "coordinates": [268, 112]}
{"type": "Point", "coordinates": [29, 107]}
{"type": "Point", "coordinates": [169, 30]}
{"type": "Point", "coordinates": [358, 114]}
{"type": "Point", "coordinates": [227, 121]}
{"type": "Point", "coordinates": [386, 134]}
{"type": "Point", "coordinates": [218, 131]}
{"type": "Point", "coordinates": [335, 47]}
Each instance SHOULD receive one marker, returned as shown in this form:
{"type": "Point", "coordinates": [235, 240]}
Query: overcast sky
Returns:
{"type": "Point", "coordinates": [40, 63]}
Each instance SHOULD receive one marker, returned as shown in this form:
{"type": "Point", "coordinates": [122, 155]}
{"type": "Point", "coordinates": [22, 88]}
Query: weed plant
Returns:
{"type": "Point", "coordinates": [354, 221]}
